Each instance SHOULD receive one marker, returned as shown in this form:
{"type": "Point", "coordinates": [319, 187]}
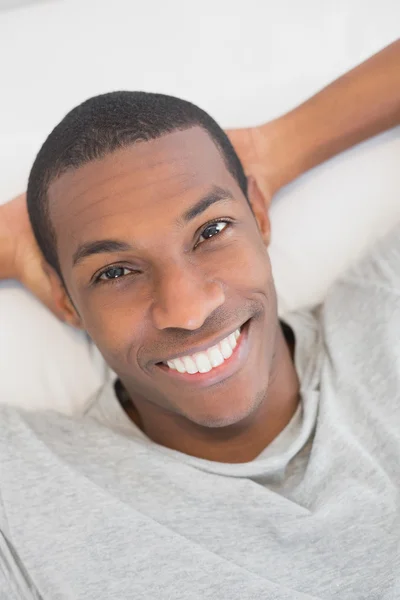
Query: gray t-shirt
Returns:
{"type": "Point", "coordinates": [92, 509]}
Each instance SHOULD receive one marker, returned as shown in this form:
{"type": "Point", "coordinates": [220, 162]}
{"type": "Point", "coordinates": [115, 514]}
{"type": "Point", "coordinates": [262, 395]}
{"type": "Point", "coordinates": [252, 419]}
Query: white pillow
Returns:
{"type": "Point", "coordinates": [328, 218]}
{"type": "Point", "coordinates": [243, 63]}
{"type": "Point", "coordinates": [43, 363]}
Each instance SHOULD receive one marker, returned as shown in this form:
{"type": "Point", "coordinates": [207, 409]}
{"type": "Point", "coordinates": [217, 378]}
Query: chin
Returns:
{"type": "Point", "coordinates": [234, 414]}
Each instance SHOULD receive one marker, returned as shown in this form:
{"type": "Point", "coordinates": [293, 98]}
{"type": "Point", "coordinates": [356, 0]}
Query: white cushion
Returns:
{"type": "Point", "coordinates": [244, 63]}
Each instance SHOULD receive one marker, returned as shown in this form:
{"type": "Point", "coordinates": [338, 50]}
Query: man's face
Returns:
{"type": "Point", "coordinates": [163, 259]}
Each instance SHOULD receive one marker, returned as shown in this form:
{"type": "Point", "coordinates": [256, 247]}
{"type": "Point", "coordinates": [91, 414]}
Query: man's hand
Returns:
{"type": "Point", "coordinates": [20, 257]}
{"type": "Point", "coordinates": [252, 144]}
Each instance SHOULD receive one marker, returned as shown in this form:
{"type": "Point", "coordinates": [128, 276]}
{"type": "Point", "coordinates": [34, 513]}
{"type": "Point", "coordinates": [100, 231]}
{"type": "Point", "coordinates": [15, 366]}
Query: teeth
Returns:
{"type": "Point", "coordinates": [226, 348]}
{"type": "Point", "coordinates": [189, 365]}
{"type": "Point", "coordinates": [179, 365]}
{"type": "Point", "coordinates": [232, 341]}
{"type": "Point", "coordinates": [215, 356]}
{"type": "Point", "coordinates": [203, 362]}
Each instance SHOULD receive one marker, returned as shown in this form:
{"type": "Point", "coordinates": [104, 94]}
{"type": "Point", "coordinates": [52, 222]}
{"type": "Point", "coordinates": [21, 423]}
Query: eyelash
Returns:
{"type": "Point", "coordinates": [97, 277]}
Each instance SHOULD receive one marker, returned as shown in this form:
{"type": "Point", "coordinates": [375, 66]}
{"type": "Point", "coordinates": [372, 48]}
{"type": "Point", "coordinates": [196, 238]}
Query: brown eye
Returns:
{"type": "Point", "coordinates": [113, 273]}
{"type": "Point", "coordinates": [212, 230]}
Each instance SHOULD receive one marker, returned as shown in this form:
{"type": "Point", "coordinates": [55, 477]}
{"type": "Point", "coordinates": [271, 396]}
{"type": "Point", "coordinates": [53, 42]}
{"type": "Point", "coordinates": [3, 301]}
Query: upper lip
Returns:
{"type": "Point", "coordinates": [202, 347]}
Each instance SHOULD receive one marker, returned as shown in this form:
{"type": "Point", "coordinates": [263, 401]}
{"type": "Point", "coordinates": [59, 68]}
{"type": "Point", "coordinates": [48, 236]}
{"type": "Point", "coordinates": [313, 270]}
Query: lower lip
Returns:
{"type": "Point", "coordinates": [223, 371]}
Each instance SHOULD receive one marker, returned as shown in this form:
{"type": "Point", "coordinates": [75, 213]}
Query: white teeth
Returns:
{"type": "Point", "coordinates": [225, 348]}
{"type": "Point", "coordinates": [190, 365]}
{"type": "Point", "coordinates": [215, 356]}
{"type": "Point", "coordinates": [179, 365]}
{"type": "Point", "coordinates": [232, 341]}
{"type": "Point", "coordinates": [203, 362]}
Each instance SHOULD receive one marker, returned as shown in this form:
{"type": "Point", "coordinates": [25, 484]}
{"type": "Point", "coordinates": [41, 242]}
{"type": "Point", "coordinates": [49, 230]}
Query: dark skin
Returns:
{"type": "Point", "coordinates": [179, 287]}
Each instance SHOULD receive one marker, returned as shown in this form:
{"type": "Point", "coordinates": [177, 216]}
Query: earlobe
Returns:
{"type": "Point", "coordinates": [260, 206]}
{"type": "Point", "coordinates": [62, 301]}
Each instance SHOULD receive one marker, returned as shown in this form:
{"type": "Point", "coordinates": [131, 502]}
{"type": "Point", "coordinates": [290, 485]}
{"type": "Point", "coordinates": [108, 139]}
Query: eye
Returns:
{"type": "Point", "coordinates": [213, 229]}
{"type": "Point", "coordinates": [112, 273]}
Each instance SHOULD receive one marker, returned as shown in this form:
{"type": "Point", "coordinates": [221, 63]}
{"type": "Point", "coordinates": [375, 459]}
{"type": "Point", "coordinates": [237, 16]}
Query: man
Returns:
{"type": "Point", "coordinates": [235, 456]}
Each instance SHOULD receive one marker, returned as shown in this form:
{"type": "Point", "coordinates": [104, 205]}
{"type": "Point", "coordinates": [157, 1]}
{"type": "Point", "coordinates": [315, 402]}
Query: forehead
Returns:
{"type": "Point", "coordinates": [148, 179]}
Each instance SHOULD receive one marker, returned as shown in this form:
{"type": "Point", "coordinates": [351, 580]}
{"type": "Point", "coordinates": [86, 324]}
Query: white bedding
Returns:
{"type": "Point", "coordinates": [244, 63]}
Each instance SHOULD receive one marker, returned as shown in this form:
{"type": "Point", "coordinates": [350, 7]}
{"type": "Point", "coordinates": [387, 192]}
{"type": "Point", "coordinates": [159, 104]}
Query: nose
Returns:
{"type": "Point", "coordinates": [184, 298]}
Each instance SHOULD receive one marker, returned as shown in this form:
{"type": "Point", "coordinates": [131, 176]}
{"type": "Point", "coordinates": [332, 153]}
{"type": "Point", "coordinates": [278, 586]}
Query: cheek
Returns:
{"type": "Point", "coordinates": [249, 268]}
{"type": "Point", "coordinates": [250, 276]}
{"type": "Point", "coordinates": [113, 325]}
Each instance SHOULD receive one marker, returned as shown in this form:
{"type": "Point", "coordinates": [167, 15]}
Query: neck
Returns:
{"type": "Point", "coordinates": [235, 444]}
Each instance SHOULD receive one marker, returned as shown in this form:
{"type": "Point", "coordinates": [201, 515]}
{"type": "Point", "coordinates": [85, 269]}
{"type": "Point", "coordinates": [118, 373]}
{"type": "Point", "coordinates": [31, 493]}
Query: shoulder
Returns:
{"type": "Point", "coordinates": [367, 296]}
{"type": "Point", "coordinates": [24, 433]}
{"type": "Point", "coordinates": [380, 266]}
{"type": "Point", "coordinates": [10, 419]}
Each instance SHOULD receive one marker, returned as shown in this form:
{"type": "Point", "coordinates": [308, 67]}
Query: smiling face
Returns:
{"type": "Point", "coordinates": [163, 260]}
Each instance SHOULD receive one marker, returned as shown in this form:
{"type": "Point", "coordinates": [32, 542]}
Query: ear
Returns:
{"type": "Point", "coordinates": [64, 306]}
{"type": "Point", "coordinates": [260, 205]}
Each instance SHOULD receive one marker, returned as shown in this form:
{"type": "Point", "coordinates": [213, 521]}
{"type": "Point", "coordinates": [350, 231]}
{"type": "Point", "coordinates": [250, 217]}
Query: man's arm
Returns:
{"type": "Point", "coordinates": [7, 245]}
{"type": "Point", "coordinates": [20, 257]}
{"type": "Point", "coordinates": [360, 104]}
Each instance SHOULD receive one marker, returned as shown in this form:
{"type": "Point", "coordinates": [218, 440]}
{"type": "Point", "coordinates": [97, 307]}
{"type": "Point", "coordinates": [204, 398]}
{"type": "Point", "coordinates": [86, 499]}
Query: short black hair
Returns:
{"type": "Point", "coordinates": [101, 125]}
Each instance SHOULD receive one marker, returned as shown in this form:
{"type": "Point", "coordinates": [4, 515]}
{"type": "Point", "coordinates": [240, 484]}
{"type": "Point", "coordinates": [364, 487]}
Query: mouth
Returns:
{"type": "Point", "coordinates": [214, 364]}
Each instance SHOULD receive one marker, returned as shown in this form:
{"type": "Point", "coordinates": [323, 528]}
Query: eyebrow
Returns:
{"type": "Point", "coordinates": [98, 247]}
{"type": "Point", "coordinates": [217, 194]}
